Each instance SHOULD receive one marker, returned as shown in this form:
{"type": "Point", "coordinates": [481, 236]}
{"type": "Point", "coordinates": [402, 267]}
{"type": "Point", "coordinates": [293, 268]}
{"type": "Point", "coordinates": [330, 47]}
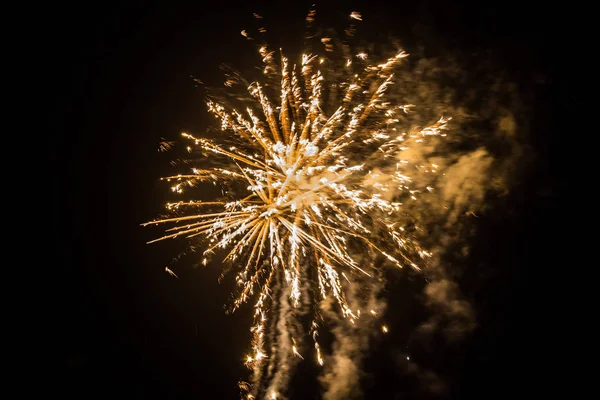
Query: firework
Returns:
{"type": "Point", "coordinates": [300, 165]}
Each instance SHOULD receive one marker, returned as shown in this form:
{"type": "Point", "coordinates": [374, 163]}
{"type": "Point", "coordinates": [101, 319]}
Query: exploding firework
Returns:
{"type": "Point", "coordinates": [300, 164]}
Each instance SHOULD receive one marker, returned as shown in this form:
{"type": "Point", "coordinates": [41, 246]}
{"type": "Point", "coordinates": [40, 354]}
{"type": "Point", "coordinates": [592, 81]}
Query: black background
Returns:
{"type": "Point", "coordinates": [119, 77]}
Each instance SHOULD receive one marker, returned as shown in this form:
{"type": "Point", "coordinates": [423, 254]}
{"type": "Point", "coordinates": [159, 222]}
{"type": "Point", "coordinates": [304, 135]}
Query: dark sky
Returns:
{"type": "Point", "coordinates": [120, 80]}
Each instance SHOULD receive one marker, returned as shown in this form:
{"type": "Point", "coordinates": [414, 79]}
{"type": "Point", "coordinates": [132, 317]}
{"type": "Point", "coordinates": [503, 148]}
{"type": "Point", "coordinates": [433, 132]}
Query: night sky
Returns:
{"type": "Point", "coordinates": [120, 82]}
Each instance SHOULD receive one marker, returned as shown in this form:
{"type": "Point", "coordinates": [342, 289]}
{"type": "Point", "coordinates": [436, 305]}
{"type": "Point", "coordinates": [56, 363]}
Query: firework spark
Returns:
{"type": "Point", "coordinates": [303, 194]}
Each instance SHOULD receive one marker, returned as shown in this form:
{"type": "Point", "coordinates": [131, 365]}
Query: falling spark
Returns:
{"type": "Point", "coordinates": [384, 329]}
{"type": "Point", "coordinates": [301, 197]}
{"type": "Point", "coordinates": [165, 145]}
{"type": "Point", "coordinates": [295, 350]}
{"type": "Point", "coordinates": [171, 272]}
{"type": "Point", "coordinates": [355, 15]}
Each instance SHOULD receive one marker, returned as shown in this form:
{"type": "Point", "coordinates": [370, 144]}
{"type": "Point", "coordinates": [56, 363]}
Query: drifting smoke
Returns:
{"type": "Point", "coordinates": [283, 359]}
{"type": "Point", "coordinates": [484, 157]}
{"type": "Point", "coordinates": [465, 183]}
{"type": "Point", "coordinates": [343, 371]}
{"type": "Point", "coordinates": [475, 165]}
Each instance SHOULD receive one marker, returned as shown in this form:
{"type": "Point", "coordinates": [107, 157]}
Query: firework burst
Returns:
{"type": "Point", "coordinates": [299, 163]}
